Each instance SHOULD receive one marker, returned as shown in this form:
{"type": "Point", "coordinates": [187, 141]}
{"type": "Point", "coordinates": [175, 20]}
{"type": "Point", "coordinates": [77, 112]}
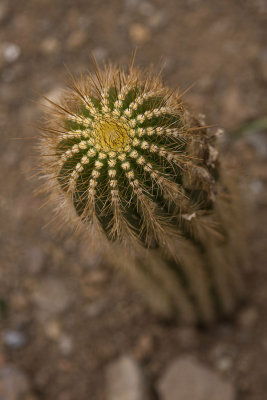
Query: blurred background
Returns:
{"type": "Point", "coordinates": [65, 317]}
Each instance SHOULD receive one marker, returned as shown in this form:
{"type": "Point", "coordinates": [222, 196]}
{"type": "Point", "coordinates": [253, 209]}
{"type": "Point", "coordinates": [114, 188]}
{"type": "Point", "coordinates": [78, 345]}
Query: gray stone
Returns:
{"type": "Point", "coordinates": [158, 20]}
{"type": "Point", "coordinates": [50, 45]}
{"type": "Point", "coordinates": [14, 384]}
{"type": "Point", "coordinates": [187, 379]}
{"type": "Point", "coordinates": [76, 39]}
{"type": "Point", "coordinates": [14, 339]}
{"type": "Point", "coordinates": [11, 52]}
{"type": "Point", "coordinates": [52, 297]}
{"type": "Point", "coordinates": [224, 364]}
{"type": "Point", "coordinates": [65, 345]}
{"type": "Point", "coordinates": [125, 381]}
{"type": "Point", "coordinates": [256, 187]}
{"type": "Point", "coordinates": [139, 33]}
{"type": "Point", "coordinates": [100, 54]}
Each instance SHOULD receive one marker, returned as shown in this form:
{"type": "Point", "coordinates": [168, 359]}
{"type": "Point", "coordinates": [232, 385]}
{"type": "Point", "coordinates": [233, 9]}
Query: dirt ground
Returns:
{"type": "Point", "coordinates": [63, 314]}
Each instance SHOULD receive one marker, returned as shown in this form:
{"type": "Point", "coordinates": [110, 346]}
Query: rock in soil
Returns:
{"type": "Point", "coordinates": [14, 339]}
{"type": "Point", "coordinates": [125, 381]}
{"type": "Point", "coordinates": [51, 297]}
{"type": "Point", "coordinates": [187, 379]}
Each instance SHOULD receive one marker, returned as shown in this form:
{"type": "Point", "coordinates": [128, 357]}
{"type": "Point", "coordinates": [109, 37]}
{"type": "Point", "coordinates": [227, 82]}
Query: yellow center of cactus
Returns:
{"type": "Point", "coordinates": [111, 135]}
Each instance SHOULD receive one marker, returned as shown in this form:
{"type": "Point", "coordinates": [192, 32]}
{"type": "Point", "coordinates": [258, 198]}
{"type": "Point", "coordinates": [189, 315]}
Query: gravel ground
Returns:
{"type": "Point", "coordinates": [64, 315]}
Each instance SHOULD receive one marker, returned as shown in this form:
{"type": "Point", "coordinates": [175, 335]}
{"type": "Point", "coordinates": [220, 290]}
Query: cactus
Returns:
{"type": "Point", "coordinates": [126, 161]}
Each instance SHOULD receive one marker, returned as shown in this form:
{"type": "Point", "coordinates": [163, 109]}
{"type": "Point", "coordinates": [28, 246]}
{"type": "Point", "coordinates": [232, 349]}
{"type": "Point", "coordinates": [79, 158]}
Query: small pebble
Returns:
{"type": "Point", "coordinates": [49, 45]}
{"type": "Point", "coordinates": [139, 34]}
{"type": "Point", "coordinates": [53, 330]}
{"type": "Point", "coordinates": [14, 339]}
{"type": "Point", "coordinates": [224, 364]}
{"type": "Point", "coordinates": [100, 54]}
{"type": "Point", "coordinates": [256, 186]}
{"type": "Point", "coordinates": [65, 345]}
{"type": "Point", "coordinates": [187, 379]}
{"type": "Point", "coordinates": [51, 297]}
{"type": "Point", "coordinates": [11, 52]}
{"type": "Point", "coordinates": [157, 20]}
{"type": "Point", "coordinates": [76, 39]}
{"type": "Point", "coordinates": [97, 276]}
{"type": "Point", "coordinates": [125, 380]}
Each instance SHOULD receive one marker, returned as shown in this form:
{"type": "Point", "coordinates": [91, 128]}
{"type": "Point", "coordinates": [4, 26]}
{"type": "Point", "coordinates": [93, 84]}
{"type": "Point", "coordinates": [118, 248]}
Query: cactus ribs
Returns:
{"type": "Point", "coordinates": [126, 159]}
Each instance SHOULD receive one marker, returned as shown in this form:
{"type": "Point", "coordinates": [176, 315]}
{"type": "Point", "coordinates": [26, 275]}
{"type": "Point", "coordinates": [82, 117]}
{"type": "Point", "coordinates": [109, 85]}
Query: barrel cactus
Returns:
{"type": "Point", "coordinates": [126, 161]}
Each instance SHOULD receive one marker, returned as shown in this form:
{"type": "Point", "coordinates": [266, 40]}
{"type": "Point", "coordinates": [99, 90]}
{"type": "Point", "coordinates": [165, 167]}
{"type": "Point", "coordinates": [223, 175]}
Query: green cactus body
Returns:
{"type": "Point", "coordinates": [135, 168]}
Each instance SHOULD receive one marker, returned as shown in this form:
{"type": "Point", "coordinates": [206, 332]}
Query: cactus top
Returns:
{"type": "Point", "coordinates": [119, 150]}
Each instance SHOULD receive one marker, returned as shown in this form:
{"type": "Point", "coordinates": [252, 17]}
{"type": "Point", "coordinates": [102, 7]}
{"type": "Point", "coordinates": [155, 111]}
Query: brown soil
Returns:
{"type": "Point", "coordinates": [93, 315]}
